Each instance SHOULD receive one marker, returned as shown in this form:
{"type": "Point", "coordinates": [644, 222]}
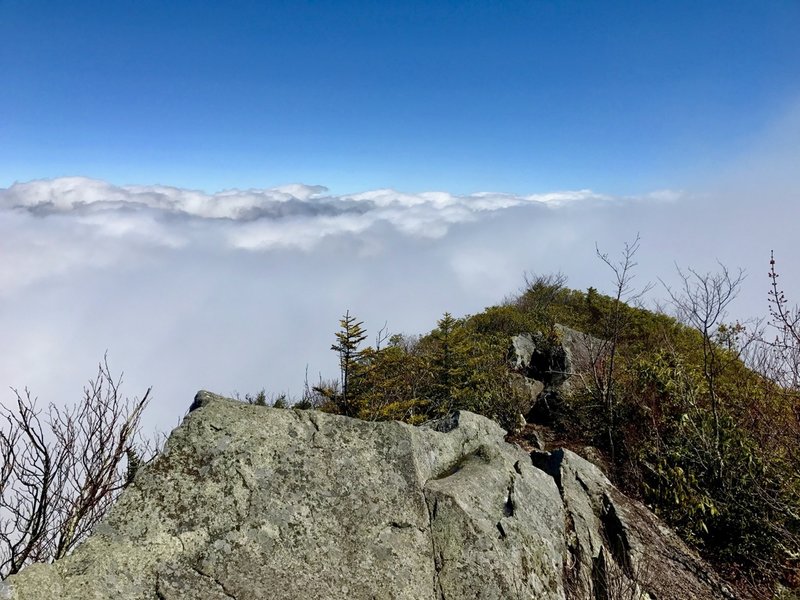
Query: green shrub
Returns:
{"type": "Point", "coordinates": [723, 470]}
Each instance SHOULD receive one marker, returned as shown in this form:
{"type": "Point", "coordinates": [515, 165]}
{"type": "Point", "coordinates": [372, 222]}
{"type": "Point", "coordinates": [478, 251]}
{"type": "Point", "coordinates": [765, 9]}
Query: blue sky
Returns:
{"type": "Point", "coordinates": [464, 96]}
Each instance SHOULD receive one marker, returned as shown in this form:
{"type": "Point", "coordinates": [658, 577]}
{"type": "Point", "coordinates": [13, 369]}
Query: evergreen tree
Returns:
{"type": "Point", "coordinates": [348, 340]}
{"type": "Point", "coordinates": [134, 463]}
{"type": "Point", "coordinates": [447, 362]}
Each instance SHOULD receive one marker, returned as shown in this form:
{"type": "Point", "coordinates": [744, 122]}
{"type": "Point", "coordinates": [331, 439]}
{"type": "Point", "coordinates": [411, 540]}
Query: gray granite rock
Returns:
{"type": "Point", "coordinates": [617, 548]}
{"type": "Point", "coordinates": [256, 503]}
{"type": "Point", "coordinates": [250, 503]}
{"type": "Point", "coordinates": [552, 362]}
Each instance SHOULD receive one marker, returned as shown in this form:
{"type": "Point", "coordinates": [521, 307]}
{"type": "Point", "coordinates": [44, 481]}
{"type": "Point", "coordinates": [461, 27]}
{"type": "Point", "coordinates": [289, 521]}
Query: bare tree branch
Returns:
{"type": "Point", "coordinates": [61, 469]}
{"type": "Point", "coordinates": [605, 355]}
{"type": "Point", "coordinates": [701, 302]}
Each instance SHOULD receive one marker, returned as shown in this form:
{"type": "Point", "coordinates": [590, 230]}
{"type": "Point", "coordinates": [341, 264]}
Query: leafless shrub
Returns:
{"type": "Point", "coordinates": [538, 292]}
{"type": "Point", "coordinates": [62, 468]}
{"type": "Point", "coordinates": [701, 302]}
{"type": "Point", "coordinates": [603, 355]}
{"type": "Point", "coordinates": [785, 323]}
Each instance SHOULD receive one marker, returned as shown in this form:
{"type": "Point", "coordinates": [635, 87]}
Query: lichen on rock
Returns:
{"type": "Point", "coordinates": [248, 502]}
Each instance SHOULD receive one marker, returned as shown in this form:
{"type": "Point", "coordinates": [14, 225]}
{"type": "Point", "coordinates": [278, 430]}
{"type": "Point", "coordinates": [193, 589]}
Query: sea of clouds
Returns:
{"type": "Point", "coordinates": [242, 289]}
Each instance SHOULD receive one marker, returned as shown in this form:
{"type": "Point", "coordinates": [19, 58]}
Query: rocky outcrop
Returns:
{"type": "Point", "coordinates": [542, 367]}
{"type": "Point", "coordinates": [616, 547]}
{"type": "Point", "coordinates": [249, 503]}
{"type": "Point", "coordinates": [552, 361]}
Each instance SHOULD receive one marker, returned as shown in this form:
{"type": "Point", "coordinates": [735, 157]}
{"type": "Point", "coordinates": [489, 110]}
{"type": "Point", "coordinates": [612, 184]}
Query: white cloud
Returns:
{"type": "Point", "coordinates": [66, 223]}
{"type": "Point", "coordinates": [80, 195]}
{"type": "Point", "coordinates": [242, 288]}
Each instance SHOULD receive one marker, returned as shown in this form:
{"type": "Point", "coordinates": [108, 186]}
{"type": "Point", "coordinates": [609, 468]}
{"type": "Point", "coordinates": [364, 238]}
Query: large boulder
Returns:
{"type": "Point", "coordinates": [543, 367]}
{"type": "Point", "coordinates": [553, 360]}
{"type": "Point", "coordinates": [250, 503]}
{"type": "Point", "coordinates": [535, 357]}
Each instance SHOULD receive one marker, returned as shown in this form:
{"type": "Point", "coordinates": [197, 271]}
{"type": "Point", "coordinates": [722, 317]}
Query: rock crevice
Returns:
{"type": "Point", "coordinates": [617, 547]}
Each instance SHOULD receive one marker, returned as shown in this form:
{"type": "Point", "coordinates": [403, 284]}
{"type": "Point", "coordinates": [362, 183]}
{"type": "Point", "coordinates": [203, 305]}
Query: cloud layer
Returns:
{"type": "Point", "coordinates": [240, 290]}
{"type": "Point", "coordinates": [290, 216]}
{"type": "Point", "coordinates": [52, 226]}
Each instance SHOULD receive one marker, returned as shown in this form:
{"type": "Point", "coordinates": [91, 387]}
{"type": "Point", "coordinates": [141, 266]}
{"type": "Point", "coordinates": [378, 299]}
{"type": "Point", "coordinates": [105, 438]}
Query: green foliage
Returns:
{"type": "Point", "coordinates": [460, 365]}
{"type": "Point", "coordinates": [391, 385]}
{"type": "Point", "coordinates": [135, 461]}
{"type": "Point", "coordinates": [504, 321]}
{"type": "Point", "coordinates": [348, 340]}
{"type": "Point", "coordinates": [721, 467]}
{"type": "Point", "coordinates": [261, 399]}
{"type": "Point", "coordinates": [711, 446]}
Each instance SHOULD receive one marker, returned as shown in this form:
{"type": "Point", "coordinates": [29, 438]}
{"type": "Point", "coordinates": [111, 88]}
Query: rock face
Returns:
{"type": "Point", "coordinates": [542, 368]}
{"type": "Point", "coordinates": [616, 547]}
{"type": "Point", "coordinates": [553, 362]}
{"type": "Point", "coordinates": [251, 503]}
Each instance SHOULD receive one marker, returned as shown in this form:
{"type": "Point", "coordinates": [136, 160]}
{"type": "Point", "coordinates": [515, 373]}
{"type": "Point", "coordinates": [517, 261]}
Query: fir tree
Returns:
{"type": "Point", "coordinates": [348, 340]}
{"type": "Point", "coordinates": [447, 361]}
